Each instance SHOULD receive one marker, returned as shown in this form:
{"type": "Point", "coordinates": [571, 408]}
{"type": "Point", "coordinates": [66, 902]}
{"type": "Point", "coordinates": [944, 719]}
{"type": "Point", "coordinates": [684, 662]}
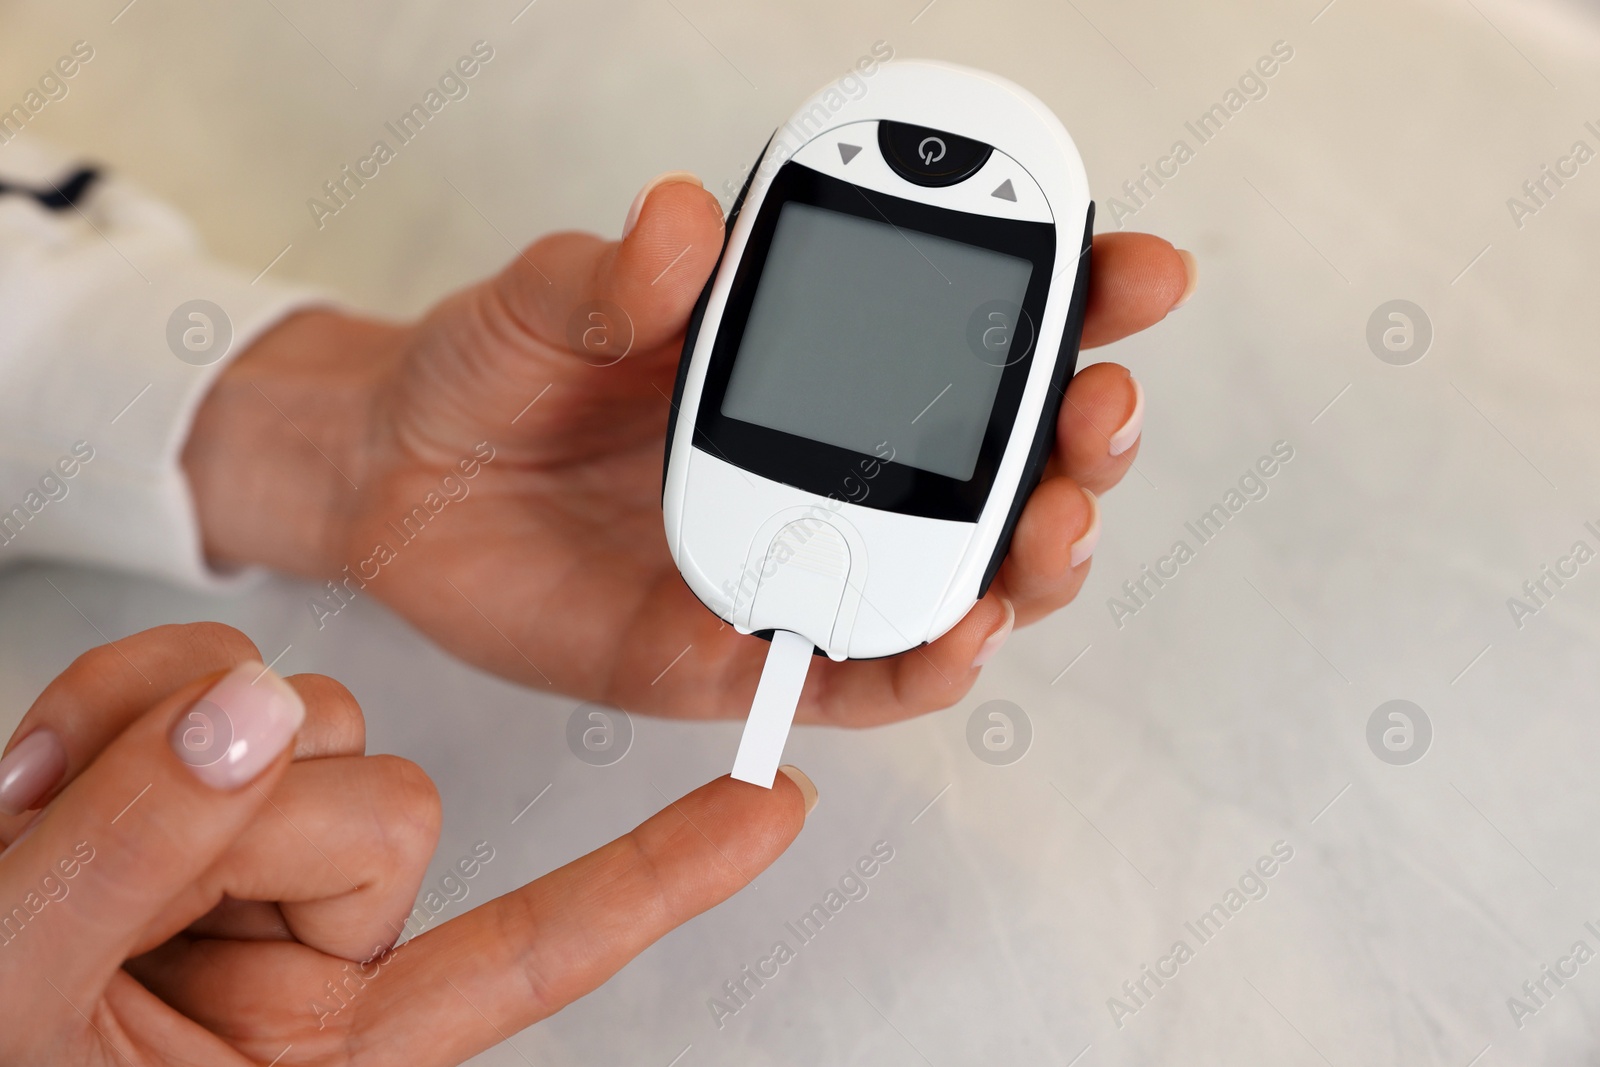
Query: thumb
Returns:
{"type": "Point", "coordinates": [602, 300]}
{"type": "Point", "coordinates": [159, 805]}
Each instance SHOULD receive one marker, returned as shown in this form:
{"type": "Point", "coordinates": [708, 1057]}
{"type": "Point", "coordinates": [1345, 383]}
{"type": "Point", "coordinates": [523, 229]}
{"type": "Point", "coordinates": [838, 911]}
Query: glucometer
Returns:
{"type": "Point", "coordinates": [871, 378]}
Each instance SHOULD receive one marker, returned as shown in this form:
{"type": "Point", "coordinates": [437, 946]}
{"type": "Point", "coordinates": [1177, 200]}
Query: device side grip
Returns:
{"type": "Point", "coordinates": [692, 332]}
{"type": "Point", "coordinates": [1045, 434]}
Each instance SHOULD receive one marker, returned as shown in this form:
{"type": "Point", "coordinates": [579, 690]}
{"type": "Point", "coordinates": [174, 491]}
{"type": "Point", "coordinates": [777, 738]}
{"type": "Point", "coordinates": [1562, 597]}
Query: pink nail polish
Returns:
{"type": "Point", "coordinates": [30, 770]}
{"type": "Point", "coordinates": [650, 186]}
{"type": "Point", "coordinates": [238, 727]}
{"type": "Point", "coordinates": [992, 643]}
{"type": "Point", "coordinates": [1124, 438]}
{"type": "Point", "coordinates": [1084, 546]}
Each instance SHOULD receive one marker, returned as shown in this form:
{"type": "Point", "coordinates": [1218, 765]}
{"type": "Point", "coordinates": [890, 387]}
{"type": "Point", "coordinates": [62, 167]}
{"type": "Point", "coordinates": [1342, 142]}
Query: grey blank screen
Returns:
{"type": "Point", "coordinates": [858, 334]}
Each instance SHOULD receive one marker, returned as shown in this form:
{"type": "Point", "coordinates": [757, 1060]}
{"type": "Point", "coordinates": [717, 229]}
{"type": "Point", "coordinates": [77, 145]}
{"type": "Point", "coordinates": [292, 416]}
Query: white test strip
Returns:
{"type": "Point", "coordinates": [772, 711]}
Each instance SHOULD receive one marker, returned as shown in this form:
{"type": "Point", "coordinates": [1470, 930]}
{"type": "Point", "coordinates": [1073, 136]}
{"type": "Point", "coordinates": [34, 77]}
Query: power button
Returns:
{"type": "Point", "coordinates": [930, 157]}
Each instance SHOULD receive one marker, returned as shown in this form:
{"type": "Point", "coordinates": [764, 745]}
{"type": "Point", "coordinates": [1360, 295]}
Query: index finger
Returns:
{"type": "Point", "coordinates": [466, 985]}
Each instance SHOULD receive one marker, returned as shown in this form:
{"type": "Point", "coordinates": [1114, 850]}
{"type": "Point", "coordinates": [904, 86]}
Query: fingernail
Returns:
{"type": "Point", "coordinates": [1124, 438]}
{"type": "Point", "coordinates": [1084, 546]}
{"type": "Point", "coordinates": [650, 186]}
{"type": "Point", "coordinates": [1192, 267]}
{"type": "Point", "coordinates": [808, 788]}
{"type": "Point", "coordinates": [31, 825]}
{"type": "Point", "coordinates": [238, 727]}
{"type": "Point", "coordinates": [992, 643]}
{"type": "Point", "coordinates": [30, 770]}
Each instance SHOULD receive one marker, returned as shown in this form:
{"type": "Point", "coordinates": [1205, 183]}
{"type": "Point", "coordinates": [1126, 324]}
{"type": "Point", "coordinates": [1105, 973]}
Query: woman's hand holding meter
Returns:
{"type": "Point", "coordinates": [493, 473]}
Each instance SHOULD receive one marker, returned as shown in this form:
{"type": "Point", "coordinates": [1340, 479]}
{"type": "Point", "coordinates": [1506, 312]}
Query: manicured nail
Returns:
{"type": "Point", "coordinates": [1192, 268]}
{"type": "Point", "coordinates": [1124, 438]}
{"type": "Point", "coordinates": [238, 727]}
{"type": "Point", "coordinates": [1084, 546]}
{"type": "Point", "coordinates": [650, 186]}
{"type": "Point", "coordinates": [808, 788]}
{"type": "Point", "coordinates": [992, 643]}
{"type": "Point", "coordinates": [31, 770]}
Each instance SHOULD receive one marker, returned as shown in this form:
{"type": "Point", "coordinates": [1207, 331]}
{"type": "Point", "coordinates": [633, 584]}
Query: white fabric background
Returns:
{"type": "Point", "coordinates": [1175, 752]}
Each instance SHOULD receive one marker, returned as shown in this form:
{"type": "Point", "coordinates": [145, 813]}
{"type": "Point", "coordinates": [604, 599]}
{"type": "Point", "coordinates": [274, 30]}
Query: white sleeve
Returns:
{"type": "Point", "coordinates": [95, 401]}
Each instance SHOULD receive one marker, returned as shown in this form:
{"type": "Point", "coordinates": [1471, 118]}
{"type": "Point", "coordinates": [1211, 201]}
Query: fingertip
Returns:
{"type": "Point", "coordinates": [657, 272]}
{"type": "Point", "coordinates": [999, 631]}
{"type": "Point", "coordinates": [637, 208]}
{"type": "Point", "coordinates": [1191, 268]}
{"type": "Point", "coordinates": [1087, 541]}
{"type": "Point", "coordinates": [675, 213]}
{"type": "Point", "coordinates": [808, 788]}
{"type": "Point", "coordinates": [1166, 273]}
{"type": "Point", "coordinates": [940, 673]}
{"type": "Point", "coordinates": [1054, 540]}
{"type": "Point", "coordinates": [334, 724]}
{"type": "Point", "coordinates": [1125, 435]}
{"type": "Point", "coordinates": [1135, 281]}
{"type": "Point", "coordinates": [1101, 425]}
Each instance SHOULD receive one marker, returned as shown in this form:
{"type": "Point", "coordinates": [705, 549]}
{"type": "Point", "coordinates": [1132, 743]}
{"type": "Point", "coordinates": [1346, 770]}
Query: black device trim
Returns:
{"type": "Point", "coordinates": [821, 468]}
{"type": "Point", "coordinates": [1044, 438]}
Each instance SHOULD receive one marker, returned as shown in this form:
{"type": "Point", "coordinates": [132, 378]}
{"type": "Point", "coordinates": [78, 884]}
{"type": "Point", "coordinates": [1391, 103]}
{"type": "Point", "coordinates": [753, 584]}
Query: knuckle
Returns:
{"type": "Point", "coordinates": [626, 879]}
{"type": "Point", "coordinates": [544, 981]}
{"type": "Point", "coordinates": [406, 805]}
{"type": "Point", "coordinates": [90, 666]}
{"type": "Point", "coordinates": [211, 642]}
{"type": "Point", "coordinates": [170, 650]}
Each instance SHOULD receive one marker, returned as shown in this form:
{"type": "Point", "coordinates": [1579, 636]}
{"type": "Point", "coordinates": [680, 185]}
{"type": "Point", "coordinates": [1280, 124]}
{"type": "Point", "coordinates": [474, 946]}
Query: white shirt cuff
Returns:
{"type": "Point", "coordinates": [95, 401]}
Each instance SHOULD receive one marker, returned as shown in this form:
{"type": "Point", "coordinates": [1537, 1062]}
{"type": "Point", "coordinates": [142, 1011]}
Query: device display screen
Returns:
{"type": "Point", "coordinates": [875, 349]}
{"type": "Point", "coordinates": [862, 333]}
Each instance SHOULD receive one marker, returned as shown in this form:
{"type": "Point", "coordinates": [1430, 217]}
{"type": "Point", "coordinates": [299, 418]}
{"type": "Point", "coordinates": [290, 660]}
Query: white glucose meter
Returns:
{"type": "Point", "coordinates": [870, 381]}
